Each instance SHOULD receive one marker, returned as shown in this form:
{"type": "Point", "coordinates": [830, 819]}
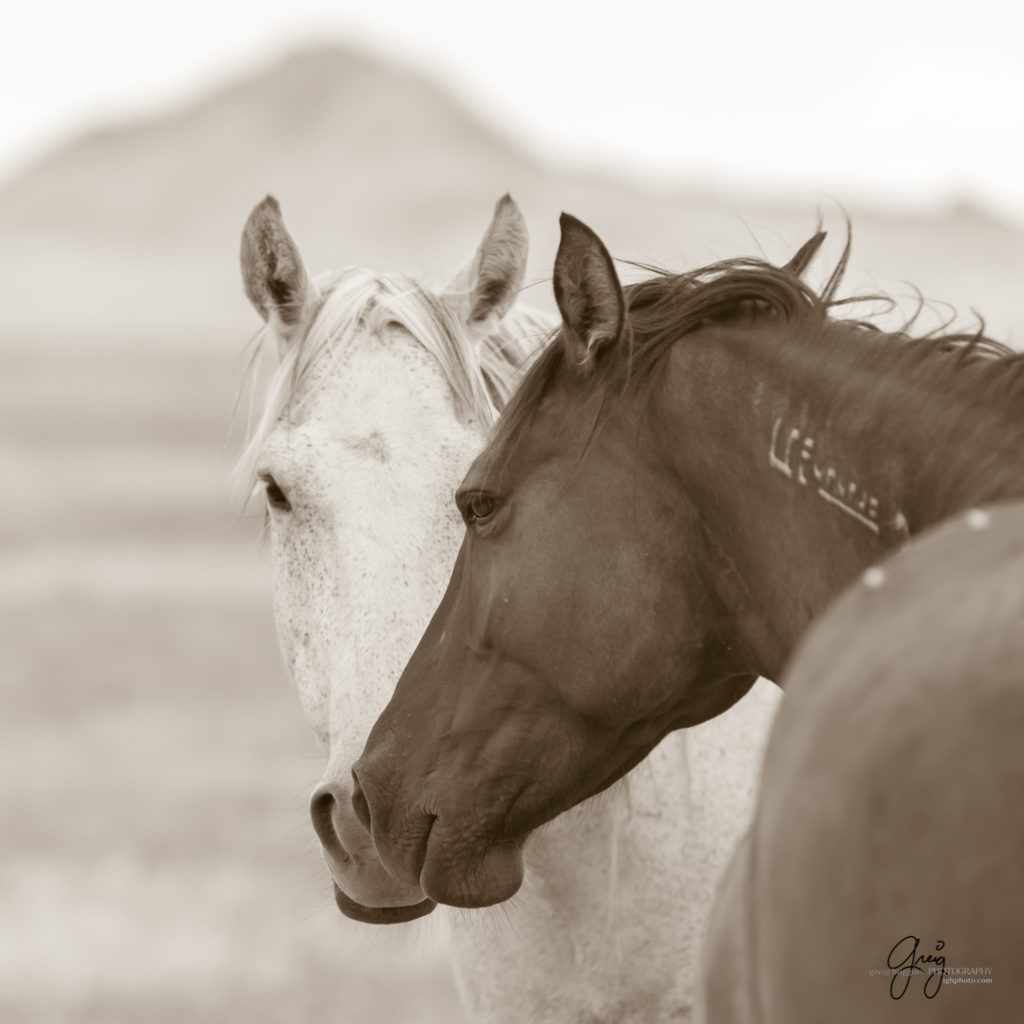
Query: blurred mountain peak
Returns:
{"type": "Point", "coordinates": [324, 117]}
{"type": "Point", "coordinates": [137, 225]}
{"type": "Point", "coordinates": [372, 163]}
{"type": "Point", "coordinates": [326, 62]}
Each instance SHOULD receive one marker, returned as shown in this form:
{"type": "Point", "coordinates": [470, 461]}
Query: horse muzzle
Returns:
{"type": "Point", "coordinates": [450, 865]}
{"type": "Point", "coordinates": [363, 888]}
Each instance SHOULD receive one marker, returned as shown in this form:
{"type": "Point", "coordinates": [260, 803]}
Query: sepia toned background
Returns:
{"type": "Point", "coordinates": [156, 862]}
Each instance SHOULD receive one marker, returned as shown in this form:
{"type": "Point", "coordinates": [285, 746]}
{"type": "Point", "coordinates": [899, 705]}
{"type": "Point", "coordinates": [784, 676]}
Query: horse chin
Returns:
{"type": "Point", "coordinates": [381, 915]}
{"type": "Point", "coordinates": [492, 879]}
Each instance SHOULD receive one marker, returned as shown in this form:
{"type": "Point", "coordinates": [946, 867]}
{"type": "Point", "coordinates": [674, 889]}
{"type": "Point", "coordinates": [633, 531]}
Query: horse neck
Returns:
{"type": "Point", "coordinates": [805, 466]}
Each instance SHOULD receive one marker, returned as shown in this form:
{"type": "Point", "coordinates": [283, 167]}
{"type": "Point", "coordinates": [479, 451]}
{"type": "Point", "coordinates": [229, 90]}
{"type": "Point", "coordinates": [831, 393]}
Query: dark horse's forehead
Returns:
{"type": "Point", "coordinates": [522, 424]}
{"type": "Point", "coordinates": [478, 476]}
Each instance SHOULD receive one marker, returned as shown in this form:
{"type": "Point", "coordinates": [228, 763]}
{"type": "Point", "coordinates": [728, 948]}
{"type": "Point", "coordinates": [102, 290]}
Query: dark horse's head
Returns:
{"type": "Point", "coordinates": [576, 630]}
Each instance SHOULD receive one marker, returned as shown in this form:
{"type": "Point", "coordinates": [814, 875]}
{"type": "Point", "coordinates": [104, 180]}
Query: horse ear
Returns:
{"type": "Point", "coordinates": [275, 278]}
{"type": "Point", "coordinates": [801, 259]}
{"type": "Point", "coordinates": [483, 291]}
{"type": "Point", "coordinates": [588, 294]}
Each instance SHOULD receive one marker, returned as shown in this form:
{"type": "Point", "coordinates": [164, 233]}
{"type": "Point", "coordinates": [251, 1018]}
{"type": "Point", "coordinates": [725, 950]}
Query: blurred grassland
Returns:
{"type": "Point", "coordinates": [156, 861]}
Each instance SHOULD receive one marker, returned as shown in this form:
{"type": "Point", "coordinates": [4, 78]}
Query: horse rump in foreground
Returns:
{"type": "Point", "coordinates": [384, 393]}
{"type": "Point", "coordinates": [688, 474]}
{"type": "Point", "coordinates": [881, 879]}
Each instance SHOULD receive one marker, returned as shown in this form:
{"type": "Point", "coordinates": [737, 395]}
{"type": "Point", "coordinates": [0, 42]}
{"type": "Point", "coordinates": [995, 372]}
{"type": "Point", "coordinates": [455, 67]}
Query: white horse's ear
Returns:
{"type": "Point", "coordinates": [276, 280]}
{"type": "Point", "coordinates": [588, 295]}
{"type": "Point", "coordinates": [484, 290]}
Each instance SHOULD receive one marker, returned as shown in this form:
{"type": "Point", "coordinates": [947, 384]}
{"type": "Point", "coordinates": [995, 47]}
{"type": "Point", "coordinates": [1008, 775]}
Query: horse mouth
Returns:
{"type": "Point", "coordinates": [493, 876]}
{"type": "Point", "coordinates": [381, 915]}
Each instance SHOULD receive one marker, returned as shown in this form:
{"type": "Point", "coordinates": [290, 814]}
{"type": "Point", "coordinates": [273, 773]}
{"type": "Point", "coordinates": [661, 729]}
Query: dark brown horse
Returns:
{"type": "Point", "coordinates": [881, 879]}
{"type": "Point", "coordinates": [690, 472]}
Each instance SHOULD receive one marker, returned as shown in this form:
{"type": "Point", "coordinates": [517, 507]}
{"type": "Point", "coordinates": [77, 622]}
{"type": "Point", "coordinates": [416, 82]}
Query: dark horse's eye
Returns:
{"type": "Point", "coordinates": [478, 507]}
{"type": "Point", "coordinates": [276, 498]}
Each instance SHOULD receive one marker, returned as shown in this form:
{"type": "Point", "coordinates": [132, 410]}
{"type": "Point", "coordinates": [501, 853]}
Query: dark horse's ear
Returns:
{"type": "Point", "coordinates": [276, 280]}
{"type": "Point", "coordinates": [803, 256]}
{"type": "Point", "coordinates": [588, 294]}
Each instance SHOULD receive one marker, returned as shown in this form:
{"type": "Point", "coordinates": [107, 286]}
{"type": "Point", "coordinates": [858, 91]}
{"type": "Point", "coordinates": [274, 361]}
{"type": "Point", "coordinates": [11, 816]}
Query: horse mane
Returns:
{"type": "Point", "coordinates": [482, 376]}
{"type": "Point", "coordinates": [667, 307]}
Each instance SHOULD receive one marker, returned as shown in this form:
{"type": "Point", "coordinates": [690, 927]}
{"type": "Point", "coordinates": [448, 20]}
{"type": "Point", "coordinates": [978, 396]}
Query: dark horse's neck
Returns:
{"type": "Point", "coordinates": [807, 459]}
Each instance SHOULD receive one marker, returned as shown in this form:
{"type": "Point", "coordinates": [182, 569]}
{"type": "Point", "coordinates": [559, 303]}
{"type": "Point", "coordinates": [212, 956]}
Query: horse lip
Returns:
{"type": "Point", "coordinates": [381, 915]}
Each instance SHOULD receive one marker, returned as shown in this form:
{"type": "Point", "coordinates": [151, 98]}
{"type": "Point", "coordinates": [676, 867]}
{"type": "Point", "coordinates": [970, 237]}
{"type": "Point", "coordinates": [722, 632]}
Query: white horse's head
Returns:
{"type": "Point", "coordinates": [382, 396]}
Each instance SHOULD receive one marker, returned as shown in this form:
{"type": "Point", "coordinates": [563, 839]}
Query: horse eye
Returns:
{"type": "Point", "coordinates": [276, 498]}
{"type": "Point", "coordinates": [479, 507]}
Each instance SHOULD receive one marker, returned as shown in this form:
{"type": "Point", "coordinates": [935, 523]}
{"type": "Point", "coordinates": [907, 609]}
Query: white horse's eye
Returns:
{"type": "Point", "coordinates": [276, 498]}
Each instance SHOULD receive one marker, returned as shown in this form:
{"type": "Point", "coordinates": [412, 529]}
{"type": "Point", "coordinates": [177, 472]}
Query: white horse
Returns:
{"type": "Point", "coordinates": [382, 397]}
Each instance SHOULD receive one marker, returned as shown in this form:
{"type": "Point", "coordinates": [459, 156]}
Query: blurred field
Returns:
{"type": "Point", "coordinates": [156, 862]}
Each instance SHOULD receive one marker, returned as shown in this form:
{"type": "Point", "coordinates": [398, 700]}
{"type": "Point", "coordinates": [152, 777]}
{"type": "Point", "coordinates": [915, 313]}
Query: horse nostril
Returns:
{"type": "Point", "coordinates": [359, 804]}
{"type": "Point", "coordinates": [321, 810]}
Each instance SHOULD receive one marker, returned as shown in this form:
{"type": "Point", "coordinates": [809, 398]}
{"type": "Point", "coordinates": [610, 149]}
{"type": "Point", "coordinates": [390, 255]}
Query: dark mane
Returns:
{"type": "Point", "coordinates": [667, 307]}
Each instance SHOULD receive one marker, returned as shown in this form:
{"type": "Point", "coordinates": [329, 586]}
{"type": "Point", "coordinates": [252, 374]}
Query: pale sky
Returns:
{"type": "Point", "coordinates": [899, 101]}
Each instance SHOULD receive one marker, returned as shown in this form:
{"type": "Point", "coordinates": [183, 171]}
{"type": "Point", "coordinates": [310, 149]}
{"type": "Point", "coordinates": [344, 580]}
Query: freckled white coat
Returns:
{"type": "Point", "coordinates": [379, 411]}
